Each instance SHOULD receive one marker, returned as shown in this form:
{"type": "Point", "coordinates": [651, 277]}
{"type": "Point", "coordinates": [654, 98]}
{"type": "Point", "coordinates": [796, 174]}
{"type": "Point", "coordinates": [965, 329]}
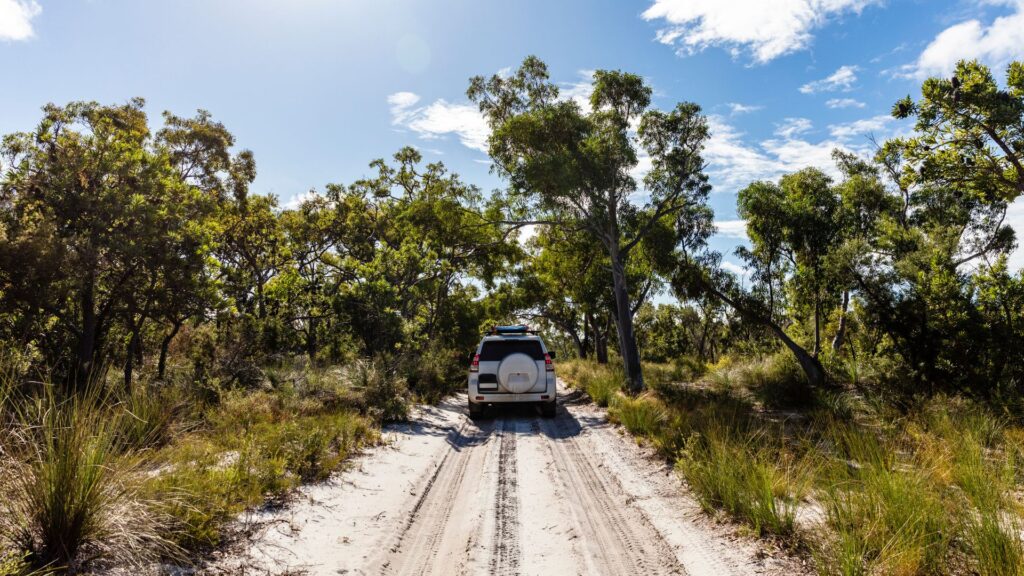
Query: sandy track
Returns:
{"type": "Point", "coordinates": [513, 494]}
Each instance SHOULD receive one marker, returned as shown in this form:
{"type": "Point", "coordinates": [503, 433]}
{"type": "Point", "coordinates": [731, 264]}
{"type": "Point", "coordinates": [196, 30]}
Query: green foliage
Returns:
{"type": "Point", "coordinates": [735, 471]}
{"type": "Point", "coordinates": [569, 167]}
{"type": "Point", "coordinates": [385, 393]}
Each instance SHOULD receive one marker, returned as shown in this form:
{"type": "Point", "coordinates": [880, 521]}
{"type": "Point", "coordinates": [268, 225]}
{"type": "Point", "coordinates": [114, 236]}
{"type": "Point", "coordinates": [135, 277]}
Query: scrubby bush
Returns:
{"type": "Point", "coordinates": [385, 393]}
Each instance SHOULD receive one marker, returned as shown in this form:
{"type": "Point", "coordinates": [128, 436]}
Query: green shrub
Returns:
{"type": "Point", "coordinates": [385, 393]}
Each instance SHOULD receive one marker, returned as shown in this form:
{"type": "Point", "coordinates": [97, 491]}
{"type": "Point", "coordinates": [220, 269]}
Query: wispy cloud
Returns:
{"type": "Point", "coordinates": [732, 228]}
{"type": "Point", "coordinates": [738, 108]}
{"type": "Point", "coordinates": [766, 30]}
{"type": "Point", "coordinates": [995, 44]}
{"type": "Point", "coordinates": [735, 268]}
{"type": "Point", "coordinates": [842, 79]}
{"type": "Point", "coordinates": [440, 119]}
{"type": "Point", "coordinates": [790, 127]}
{"type": "Point", "coordinates": [844, 103]}
{"type": "Point", "coordinates": [16, 18]}
{"type": "Point", "coordinates": [862, 127]}
{"type": "Point", "coordinates": [733, 162]}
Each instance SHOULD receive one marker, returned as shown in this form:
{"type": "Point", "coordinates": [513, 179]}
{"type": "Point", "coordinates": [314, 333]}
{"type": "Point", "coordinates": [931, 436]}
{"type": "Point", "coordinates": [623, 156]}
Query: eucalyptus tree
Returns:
{"type": "Point", "coordinates": [100, 225]}
{"type": "Point", "coordinates": [573, 167]}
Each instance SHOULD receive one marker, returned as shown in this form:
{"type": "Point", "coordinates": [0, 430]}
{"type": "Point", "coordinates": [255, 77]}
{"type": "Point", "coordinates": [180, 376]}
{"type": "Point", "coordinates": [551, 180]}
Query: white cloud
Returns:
{"type": "Point", "coordinates": [527, 233]}
{"type": "Point", "coordinates": [842, 79]}
{"type": "Point", "coordinates": [735, 268]}
{"type": "Point", "coordinates": [16, 18]}
{"type": "Point", "coordinates": [738, 108]}
{"type": "Point", "coordinates": [766, 28]}
{"type": "Point", "coordinates": [862, 127]}
{"type": "Point", "coordinates": [732, 228]}
{"type": "Point", "coordinates": [580, 90]}
{"type": "Point", "coordinates": [844, 103]}
{"type": "Point", "coordinates": [995, 44]}
{"type": "Point", "coordinates": [439, 119]}
{"type": "Point", "coordinates": [790, 127]}
{"type": "Point", "coordinates": [733, 162]}
{"type": "Point", "coordinates": [295, 202]}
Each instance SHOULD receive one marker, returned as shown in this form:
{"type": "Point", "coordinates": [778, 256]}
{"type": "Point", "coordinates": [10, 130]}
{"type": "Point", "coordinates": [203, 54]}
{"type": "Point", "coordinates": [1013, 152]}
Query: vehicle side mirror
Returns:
{"type": "Point", "coordinates": [551, 354]}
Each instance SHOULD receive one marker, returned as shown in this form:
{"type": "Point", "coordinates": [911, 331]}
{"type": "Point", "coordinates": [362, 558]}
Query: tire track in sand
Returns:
{"type": "Point", "coordinates": [506, 554]}
{"type": "Point", "coordinates": [618, 536]}
{"type": "Point", "coordinates": [427, 544]}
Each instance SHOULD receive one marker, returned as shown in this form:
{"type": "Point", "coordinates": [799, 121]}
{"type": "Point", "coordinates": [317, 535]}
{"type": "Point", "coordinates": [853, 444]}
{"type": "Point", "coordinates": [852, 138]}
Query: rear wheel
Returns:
{"type": "Point", "coordinates": [547, 409]}
{"type": "Point", "coordinates": [476, 410]}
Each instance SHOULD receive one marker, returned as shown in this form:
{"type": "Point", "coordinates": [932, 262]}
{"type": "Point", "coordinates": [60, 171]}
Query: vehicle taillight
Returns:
{"type": "Point", "coordinates": [475, 365]}
{"type": "Point", "coordinates": [548, 365]}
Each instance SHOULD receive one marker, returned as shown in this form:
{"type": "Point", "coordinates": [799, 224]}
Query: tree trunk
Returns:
{"type": "Point", "coordinates": [601, 348]}
{"type": "Point", "coordinates": [130, 356]}
{"type": "Point", "coordinates": [812, 368]}
{"type": "Point", "coordinates": [624, 324]}
{"type": "Point", "coordinates": [817, 328]}
{"type": "Point", "coordinates": [837, 342]}
{"type": "Point", "coordinates": [311, 341]}
{"type": "Point", "coordinates": [586, 341]}
{"type": "Point", "coordinates": [87, 339]}
{"type": "Point", "coordinates": [164, 345]}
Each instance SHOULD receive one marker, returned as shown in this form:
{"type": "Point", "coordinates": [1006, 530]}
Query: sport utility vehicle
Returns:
{"type": "Point", "coordinates": [512, 364]}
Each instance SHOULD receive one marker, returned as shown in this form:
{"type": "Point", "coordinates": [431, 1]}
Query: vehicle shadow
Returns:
{"type": "Point", "coordinates": [526, 419]}
{"type": "Point", "coordinates": [450, 419]}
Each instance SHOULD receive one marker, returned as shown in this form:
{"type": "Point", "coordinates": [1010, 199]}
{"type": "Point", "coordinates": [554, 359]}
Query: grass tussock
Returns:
{"type": "Point", "coordinates": [108, 477]}
{"type": "Point", "coordinates": [73, 487]}
{"type": "Point", "coordinates": [600, 382]}
{"type": "Point", "coordinates": [933, 488]}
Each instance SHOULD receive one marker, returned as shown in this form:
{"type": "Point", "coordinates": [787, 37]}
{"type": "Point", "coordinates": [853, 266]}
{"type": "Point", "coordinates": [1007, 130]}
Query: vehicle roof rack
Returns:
{"type": "Point", "coordinates": [512, 330]}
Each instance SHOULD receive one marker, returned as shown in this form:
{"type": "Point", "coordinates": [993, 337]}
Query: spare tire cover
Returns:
{"type": "Point", "coordinates": [517, 373]}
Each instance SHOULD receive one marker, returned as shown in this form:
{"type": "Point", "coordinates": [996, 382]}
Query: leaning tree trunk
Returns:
{"type": "Point", "coordinates": [624, 325]}
{"type": "Point", "coordinates": [811, 366]}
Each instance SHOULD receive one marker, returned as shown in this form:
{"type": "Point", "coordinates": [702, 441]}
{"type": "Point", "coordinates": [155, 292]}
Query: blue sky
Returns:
{"type": "Point", "coordinates": [318, 88]}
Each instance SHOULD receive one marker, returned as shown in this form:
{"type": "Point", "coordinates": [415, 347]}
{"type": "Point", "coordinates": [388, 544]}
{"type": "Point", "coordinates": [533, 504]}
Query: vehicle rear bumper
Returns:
{"type": "Point", "coordinates": [484, 398]}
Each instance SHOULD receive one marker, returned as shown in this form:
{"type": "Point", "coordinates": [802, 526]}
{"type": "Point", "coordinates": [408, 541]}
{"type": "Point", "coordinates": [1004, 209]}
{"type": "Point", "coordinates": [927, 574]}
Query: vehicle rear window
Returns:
{"type": "Point", "coordinates": [496, 350]}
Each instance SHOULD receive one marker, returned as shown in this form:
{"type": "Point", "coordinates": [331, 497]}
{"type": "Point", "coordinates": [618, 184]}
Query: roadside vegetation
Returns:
{"type": "Point", "coordinates": [176, 350]}
{"type": "Point", "coordinates": [858, 484]}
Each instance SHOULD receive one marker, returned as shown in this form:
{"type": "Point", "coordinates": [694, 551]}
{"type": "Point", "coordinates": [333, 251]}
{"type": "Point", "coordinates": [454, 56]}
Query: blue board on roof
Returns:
{"type": "Point", "coordinates": [516, 329]}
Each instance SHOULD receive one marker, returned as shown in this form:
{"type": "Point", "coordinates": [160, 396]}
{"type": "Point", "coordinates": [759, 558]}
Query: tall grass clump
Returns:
{"type": "Point", "coordinates": [643, 416]}
{"type": "Point", "coordinates": [71, 495]}
{"type": "Point", "coordinates": [740, 472]}
{"type": "Point", "coordinates": [600, 381]}
{"type": "Point", "coordinates": [884, 516]}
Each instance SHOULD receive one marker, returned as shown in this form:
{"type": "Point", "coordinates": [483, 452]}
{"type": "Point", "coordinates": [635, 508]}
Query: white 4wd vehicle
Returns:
{"type": "Point", "coordinates": [512, 365]}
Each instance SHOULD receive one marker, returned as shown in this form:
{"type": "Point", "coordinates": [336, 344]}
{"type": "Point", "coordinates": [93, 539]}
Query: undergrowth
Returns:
{"type": "Point", "coordinates": [862, 486]}
{"type": "Point", "coordinates": [105, 477]}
